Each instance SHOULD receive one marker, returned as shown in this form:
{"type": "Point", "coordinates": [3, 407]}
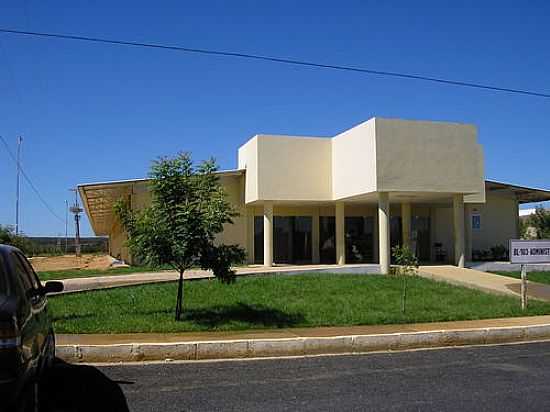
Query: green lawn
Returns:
{"type": "Point", "coordinates": [540, 277]}
{"type": "Point", "coordinates": [86, 273]}
{"type": "Point", "coordinates": [277, 302]}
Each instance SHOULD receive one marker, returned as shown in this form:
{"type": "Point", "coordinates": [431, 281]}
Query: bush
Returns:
{"type": "Point", "coordinates": [8, 237]}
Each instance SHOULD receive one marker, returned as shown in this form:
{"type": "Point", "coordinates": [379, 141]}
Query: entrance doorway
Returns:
{"type": "Point", "coordinates": [291, 239]}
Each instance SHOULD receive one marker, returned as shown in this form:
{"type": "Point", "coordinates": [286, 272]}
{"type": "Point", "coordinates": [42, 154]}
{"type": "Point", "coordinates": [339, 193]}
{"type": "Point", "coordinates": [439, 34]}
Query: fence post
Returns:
{"type": "Point", "coordinates": [523, 287]}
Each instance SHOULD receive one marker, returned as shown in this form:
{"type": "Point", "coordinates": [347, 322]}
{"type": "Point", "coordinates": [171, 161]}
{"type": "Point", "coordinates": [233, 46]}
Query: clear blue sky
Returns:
{"type": "Point", "coordinates": [96, 112]}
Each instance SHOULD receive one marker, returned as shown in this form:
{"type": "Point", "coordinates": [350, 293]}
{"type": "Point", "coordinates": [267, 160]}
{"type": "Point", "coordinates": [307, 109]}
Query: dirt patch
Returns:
{"type": "Point", "coordinates": [45, 263]}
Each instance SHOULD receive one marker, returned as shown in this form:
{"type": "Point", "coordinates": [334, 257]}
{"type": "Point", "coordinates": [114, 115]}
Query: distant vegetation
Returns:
{"type": "Point", "coordinates": [47, 246]}
{"type": "Point", "coordinates": [537, 225]}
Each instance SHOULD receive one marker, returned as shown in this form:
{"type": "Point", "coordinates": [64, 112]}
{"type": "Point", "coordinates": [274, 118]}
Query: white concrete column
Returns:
{"type": "Point", "coordinates": [468, 233]}
{"type": "Point", "coordinates": [406, 224]}
{"type": "Point", "coordinates": [458, 229]}
{"type": "Point", "coordinates": [268, 233]}
{"type": "Point", "coordinates": [340, 234]}
{"type": "Point", "coordinates": [384, 232]}
{"type": "Point", "coordinates": [315, 258]}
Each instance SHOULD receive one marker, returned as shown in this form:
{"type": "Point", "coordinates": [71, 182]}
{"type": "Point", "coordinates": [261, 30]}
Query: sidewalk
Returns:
{"type": "Point", "coordinates": [487, 282]}
{"type": "Point", "coordinates": [298, 342]}
{"type": "Point", "coordinates": [105, 282]}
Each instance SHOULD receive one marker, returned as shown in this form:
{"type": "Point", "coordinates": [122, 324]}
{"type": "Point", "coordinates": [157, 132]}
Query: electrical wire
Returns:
{"type": "Point", "coordinates": [278, 60]}
{"type": "Point", "coordinates": [31, 184]}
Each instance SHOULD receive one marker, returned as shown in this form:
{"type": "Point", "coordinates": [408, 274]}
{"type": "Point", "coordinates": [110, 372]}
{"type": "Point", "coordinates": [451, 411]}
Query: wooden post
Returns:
{"type": "Point", "coordinates": [523, 287]}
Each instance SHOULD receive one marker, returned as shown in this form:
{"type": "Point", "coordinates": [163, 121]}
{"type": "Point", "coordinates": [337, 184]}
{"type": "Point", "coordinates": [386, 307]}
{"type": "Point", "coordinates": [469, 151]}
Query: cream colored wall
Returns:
{"type": "Point", "coordinates": [287, 168]}
{"type": "Point", "coordinates": [235, 233]}
{"type": "Point", "coordinates": [354, 161]}
{"type": "Point", "coordinates": [499, 219]}
{"type": "Point", "coordinates": [417, 156]}
{"type": "Point", "coordinates": [378, 155]}
{"type": "Point", "coordinates": [117, 239]}
{"type": "Point", "coordinates": [248, 160]}
{"type": "Point", "coordinates": [442, 229]}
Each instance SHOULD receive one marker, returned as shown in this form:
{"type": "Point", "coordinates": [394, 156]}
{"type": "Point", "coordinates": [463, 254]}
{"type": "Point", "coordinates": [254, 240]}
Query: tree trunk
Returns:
{"type": "Point", "coordinates": [404, 294]}
{"type": "Point", "coordinates": [179, 301]}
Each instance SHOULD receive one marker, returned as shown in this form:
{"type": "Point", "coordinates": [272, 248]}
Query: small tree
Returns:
{"type": "Point", "coordinates": [407, 265]}
{"type": "Point", "coordinates": [188, 208]}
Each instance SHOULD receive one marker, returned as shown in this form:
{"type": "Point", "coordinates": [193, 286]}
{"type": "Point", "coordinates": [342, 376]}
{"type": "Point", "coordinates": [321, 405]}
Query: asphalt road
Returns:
{"type": "Point", "coordinates": [511, 377]}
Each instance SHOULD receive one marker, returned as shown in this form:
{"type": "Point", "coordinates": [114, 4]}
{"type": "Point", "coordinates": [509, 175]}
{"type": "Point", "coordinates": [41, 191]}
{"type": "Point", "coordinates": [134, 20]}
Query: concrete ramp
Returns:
{"type": "Point", "coordinates": [487, 282]}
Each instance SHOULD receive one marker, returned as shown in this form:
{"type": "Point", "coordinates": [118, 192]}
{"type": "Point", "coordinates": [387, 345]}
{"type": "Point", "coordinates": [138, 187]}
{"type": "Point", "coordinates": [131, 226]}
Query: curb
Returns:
{"type": "Point", "coordinates": [300, 346]}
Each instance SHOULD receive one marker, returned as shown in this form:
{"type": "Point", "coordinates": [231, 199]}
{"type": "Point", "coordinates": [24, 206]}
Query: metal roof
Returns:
{"type": "Point", "coordinates": [98, 198]}
{"type": "Point", "coordinates": [524, 194]}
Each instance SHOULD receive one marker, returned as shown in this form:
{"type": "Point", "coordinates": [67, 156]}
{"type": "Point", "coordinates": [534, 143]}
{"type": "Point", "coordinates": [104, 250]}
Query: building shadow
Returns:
{"type": "Point", "coordinates": [80, 388]}
{"type": "Point", "coordinates": [251, 315]}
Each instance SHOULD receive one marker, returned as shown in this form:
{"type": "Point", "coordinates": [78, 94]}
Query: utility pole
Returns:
{"type": "Point", "coordinates": [66, 224]}
{"type": "Point", "coordinates": [18, 173]}
{"type": "Point", "coordinates": [76, 210]}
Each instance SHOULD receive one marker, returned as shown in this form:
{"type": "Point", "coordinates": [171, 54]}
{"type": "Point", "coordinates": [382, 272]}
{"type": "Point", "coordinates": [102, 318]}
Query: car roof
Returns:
{"type": "Point", "coordinates": [5, 249]}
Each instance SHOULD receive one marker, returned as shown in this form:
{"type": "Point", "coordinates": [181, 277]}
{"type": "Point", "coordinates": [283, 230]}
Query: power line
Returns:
{"type": "Point", "coordinates": [33, 187]}
{"type": "Point", "coordinates": [277, 60]}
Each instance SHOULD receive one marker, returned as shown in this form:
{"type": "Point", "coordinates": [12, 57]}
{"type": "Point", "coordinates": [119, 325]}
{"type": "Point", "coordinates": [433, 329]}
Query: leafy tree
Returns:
{"type": "Point", "coordinates": [8, 237]}
{"type": "Point", "coordinates": [188, 208]}
{"type": "Point", "coordinates": [540, 220]}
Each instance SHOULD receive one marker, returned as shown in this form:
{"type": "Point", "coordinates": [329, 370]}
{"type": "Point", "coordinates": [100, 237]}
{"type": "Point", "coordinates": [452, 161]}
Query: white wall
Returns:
{"type": "Point", "coordinates": [354, 160]}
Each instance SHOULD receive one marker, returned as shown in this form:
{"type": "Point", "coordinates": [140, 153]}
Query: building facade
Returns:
{"type": "Point", "coordinates": [350, 198]}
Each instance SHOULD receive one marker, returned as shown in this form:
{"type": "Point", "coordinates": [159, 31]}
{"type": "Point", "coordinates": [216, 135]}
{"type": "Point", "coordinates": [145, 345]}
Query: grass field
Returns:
{"type": "Point", "coordinates": [86, 273]}
{"type": "Point", "coordinates": [540, 277]}
{"type": "Point", "coordinates": [277, 302]}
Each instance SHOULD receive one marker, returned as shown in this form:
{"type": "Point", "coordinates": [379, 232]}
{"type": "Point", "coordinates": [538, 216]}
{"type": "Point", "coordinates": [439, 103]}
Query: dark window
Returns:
{"type": "Point", "coordinates": [258, 239]}
{"type": "Point", "coordinates": [291, 239]}
{"type": "Point", "coordinates": [359, 239]}
{"type": "Point", "coordinates": [420, 234]}
{"type": "Point", "coordinates": [327, 239]}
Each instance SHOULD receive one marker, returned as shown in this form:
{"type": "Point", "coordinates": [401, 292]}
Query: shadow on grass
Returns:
{"type": "Point", "coordinates": [254, 315]}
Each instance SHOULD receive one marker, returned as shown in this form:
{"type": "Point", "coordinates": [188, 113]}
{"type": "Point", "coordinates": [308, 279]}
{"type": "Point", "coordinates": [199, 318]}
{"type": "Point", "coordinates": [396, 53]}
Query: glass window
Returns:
{"type": "Point", "coordinates": [327, 239]}
{"type": "Point", "coordinates": [291, 239]}
{"type": "Point", "coordinates": [258, 239]}
{"type": "Point", "coordinates": [359, 239]}
{"type": "Point", "coordinates": [476, 222]}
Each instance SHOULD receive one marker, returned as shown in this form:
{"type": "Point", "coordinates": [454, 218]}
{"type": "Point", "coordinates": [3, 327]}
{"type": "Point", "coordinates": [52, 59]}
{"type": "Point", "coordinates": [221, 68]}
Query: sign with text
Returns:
{"type": "Point", "coordinates": [529, 251]}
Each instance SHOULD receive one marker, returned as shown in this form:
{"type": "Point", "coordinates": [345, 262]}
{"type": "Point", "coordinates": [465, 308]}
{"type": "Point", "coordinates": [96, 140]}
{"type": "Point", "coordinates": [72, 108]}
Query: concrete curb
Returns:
{"type": "Point", "coordinates": [299, 346]}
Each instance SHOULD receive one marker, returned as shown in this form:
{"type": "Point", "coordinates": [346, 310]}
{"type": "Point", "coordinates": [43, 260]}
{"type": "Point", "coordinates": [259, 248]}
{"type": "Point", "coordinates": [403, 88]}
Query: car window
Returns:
{"type": "Point", "coordinates": [23, 276]}
{"type": "Point", "coordinates": [30, 271]}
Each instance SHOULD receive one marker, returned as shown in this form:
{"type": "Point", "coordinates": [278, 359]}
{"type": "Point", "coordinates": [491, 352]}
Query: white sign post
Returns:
{"type": "Point", "coordinates": [527, 252]}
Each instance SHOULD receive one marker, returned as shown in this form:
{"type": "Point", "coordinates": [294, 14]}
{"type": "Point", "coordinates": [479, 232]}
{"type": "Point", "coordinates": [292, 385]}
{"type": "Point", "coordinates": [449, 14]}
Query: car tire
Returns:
{"type": "Point", "coordinates": [50, 353]}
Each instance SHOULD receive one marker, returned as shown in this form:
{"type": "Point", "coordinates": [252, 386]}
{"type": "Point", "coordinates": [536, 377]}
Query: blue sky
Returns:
{"type": "Point", "coordinates": [93, 112]}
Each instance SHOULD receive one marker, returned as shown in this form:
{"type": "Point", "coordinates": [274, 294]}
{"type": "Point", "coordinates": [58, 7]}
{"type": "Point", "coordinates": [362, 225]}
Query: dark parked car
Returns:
{"type": "Point", "coordinates": [27, 341]}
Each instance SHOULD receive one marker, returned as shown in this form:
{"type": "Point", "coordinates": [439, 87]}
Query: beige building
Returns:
{"type": "Point", "coordinates": [350, 198]}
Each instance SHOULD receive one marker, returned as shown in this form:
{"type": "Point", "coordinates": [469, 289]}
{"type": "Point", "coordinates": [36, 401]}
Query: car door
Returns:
{"type": "Point", "coordinates": [33, 324]}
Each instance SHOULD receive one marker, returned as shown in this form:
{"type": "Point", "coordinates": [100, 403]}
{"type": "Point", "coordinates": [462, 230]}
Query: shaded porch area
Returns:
{"type": "Point", "coordinates": [359, 231]}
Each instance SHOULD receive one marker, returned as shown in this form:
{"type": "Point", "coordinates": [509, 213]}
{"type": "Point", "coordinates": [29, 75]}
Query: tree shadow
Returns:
{"type": "Point", "coordinates": [80, 388]}
{"type": "Point", "coordinates": [254, 315]}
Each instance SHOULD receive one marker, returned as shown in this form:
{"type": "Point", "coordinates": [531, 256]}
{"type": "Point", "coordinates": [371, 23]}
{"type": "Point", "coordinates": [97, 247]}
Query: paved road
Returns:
{"type": "Point", "coordinates": [499, 378]}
